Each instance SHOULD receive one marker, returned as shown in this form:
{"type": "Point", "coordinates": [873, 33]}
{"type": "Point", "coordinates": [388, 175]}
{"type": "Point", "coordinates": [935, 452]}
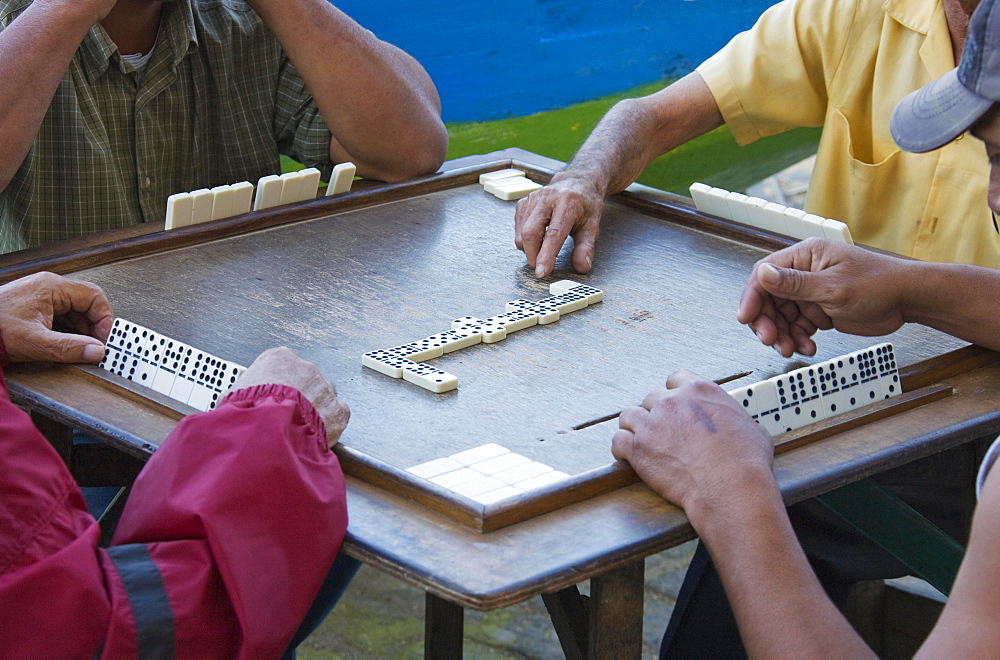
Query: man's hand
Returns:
{"type": "Point", "coordinates": [568, 206]}
{"type": "Point", "coordinates": [818, 285]}
{"type": "Point", "coordinates": [689, 440]}
{"type": "Point", "coordinates": [280, 366]}
{"type": "Point", "coordinates": [32, 306]}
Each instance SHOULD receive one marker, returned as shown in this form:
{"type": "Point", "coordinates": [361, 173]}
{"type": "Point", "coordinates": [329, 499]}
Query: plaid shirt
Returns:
{"type": "Point", "coordinates": [216, 104]}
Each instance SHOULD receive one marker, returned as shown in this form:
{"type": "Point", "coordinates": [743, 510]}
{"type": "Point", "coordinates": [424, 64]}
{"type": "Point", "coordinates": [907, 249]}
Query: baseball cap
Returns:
{"type": "Point", "coordinates": [940, 111]}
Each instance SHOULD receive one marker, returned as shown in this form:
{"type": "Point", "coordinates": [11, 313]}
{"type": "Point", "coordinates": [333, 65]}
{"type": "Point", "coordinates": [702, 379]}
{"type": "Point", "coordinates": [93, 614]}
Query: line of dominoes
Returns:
{"type": "Point", "coordinates": [809, 394]}
{"type": "Point", "coordinates": [769, 216]}
{"type": "Point", "coordinates": [509, 184]}
{"type": "Point", "coordinates": [405, 361]}
{"type": "Point", "coordinates": [192, 208]}
{"type": "Point", "coordinates": [168, 366]}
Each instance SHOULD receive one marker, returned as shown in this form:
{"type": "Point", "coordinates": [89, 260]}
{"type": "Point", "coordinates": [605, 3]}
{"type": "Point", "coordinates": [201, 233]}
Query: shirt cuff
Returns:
{"type": "Point", "coordinates": [257, 394]}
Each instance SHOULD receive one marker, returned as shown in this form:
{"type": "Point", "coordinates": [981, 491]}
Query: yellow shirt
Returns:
{"type": "Point", "coordinates": [844, 64]}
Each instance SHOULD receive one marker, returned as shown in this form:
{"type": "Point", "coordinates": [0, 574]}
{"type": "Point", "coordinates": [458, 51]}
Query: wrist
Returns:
{"type": "Point", "coordinates": [729, 501]}
{"type": "Point", "coordinates": [587, 182]}
{"type": "Point", "coordinates": [920, 289]}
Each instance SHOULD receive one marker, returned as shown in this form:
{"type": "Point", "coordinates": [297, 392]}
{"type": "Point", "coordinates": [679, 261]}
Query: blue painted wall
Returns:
{"type": "Point", "coordinates": [516, 57]}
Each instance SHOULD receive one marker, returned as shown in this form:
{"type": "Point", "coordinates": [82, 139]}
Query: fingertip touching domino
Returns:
{"type": "Point", "coordinates": [769, 216]}
{"type": "Point", "coordinates": [168, 366]}
{"type": "Point", "coordinates": [404, 361]}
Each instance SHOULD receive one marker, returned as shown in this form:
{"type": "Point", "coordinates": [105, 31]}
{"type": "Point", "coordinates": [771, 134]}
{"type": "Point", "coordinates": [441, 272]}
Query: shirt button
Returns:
{"type": "Point", "coordinates": [147, 182]}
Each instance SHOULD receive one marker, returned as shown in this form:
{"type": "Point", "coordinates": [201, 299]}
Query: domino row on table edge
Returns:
{"type": "Point", "coordinates": [769, 216]}
{"type": "Point", "coordinates": [203, 205]}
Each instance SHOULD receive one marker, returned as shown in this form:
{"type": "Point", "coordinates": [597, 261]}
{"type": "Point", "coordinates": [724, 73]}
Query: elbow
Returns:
{"type": "Point", "coordinates": [426, 157]}
{"type": "Point", "coordinates": [423, 155]}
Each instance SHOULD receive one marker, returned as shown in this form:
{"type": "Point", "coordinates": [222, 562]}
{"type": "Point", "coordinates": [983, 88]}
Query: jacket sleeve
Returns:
{"type": "Point", "coordinates": [252, 489]}
{"type": "Point", "coordinates": [53, 600]}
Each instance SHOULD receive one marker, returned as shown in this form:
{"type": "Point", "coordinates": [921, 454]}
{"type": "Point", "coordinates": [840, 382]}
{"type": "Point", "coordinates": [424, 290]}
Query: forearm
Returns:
{"type": "Point", "coordinates": [35, 52]}
{"type": "Point", "coordinates": [380, 104]}
{"type": "Point", "coordinates": [957, 299]}
{"type": "Point", "coordinates": [637, 131]}
{"type": "Point", "coordinates": [781, 608]}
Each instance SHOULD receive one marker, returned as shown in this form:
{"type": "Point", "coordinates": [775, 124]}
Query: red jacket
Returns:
{"type": "Point", "coordinates": [227, 535]}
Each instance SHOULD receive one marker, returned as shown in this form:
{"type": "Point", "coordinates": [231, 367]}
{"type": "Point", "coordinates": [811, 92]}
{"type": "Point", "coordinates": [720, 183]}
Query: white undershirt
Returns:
{"type": "Point", "coordinates": [991, 456]}
{"type": "Point", "coordinates": [138, 60]}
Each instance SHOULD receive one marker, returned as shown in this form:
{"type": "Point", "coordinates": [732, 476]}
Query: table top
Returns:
{"type": "Point", "coordinates": [336, 278]}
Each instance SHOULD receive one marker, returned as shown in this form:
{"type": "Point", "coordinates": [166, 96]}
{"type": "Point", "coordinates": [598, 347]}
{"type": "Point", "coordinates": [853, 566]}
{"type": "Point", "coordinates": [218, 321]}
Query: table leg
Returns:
{"type": "Point", "coordinates": [570, 616]}
{"type": "Point", "coordinates": [616, 612]}
{"type": "Point", "coordinates": [443, 629]}
{"type": "Point", "coordinates": [608, 623]}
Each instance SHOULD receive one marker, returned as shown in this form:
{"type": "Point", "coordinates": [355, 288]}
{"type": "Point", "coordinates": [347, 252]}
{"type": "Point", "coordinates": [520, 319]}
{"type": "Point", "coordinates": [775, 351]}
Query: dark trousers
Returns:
{"type": "Point", "coordinates": [940, 487]}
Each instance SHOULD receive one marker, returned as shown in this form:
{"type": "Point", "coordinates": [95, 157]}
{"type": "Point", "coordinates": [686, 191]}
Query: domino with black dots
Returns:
{"type": "Point", "coordinates": [168, 366]}
{"type": "Point", "coordinates": [820, 391]}
{"type": "Point", "coordinates": [402, 361]}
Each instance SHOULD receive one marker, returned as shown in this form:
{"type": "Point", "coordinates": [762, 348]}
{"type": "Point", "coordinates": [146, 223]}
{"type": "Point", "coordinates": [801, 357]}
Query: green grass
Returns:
{"type": "Point", "coordinates": [714, 158]}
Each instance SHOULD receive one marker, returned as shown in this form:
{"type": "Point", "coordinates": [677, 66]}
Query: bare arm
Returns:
{"type": "Point", "coordinates": [633, 134]}
{"type": "Point", "coordinates": [968, 626]}
{"type": "Point", "coordinates": [35, 52]}
{"type": "Point", "coordinates": [817, 284]}
{"type": "Point", "coordinates": [693, 444]}
{"type": "Point", "coordinates": [380, 104]}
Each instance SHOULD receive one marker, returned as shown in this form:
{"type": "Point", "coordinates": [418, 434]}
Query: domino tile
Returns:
{"type": "Point", "coordinates": [434, 468]}
{"type": "Point", "coordinates": [776, 217]}
{"type": "Point", "coordinates": [592, 294]}
{"type": "Point", "coordinates": [835, 230]}
{"type": "Point", "coordinates": [479, 454]}
{"type": "Point", "coordinates": [309, 183]}
{"type": "Point", "coordinates": [341, 179]}
{"type": "Point", "coordinates": [268, 192]}
{"type": "Point", "coordinates": [180, 211]}
{"type": "Point", "coordinates": [566, 302]}
{"type": "Point", "coordinates": [794, 223]}
{"type": "Point", "coordinates": [204, 203]}
{"type": "Point", "coordinates": [430, 378]}
{"type": "Point", "coordinates": [545, 313]}
{"type": "Point", "coordinates": [812, 225]}
{"type": "Point", "coordinates": [479, 486]}
{"type": "Point", "coordinates": [737, 208]}
{"type": "Point", "coordinates": [417, 351]}
{"type": "Point", "coordinates": [242, 197]}
{"type": "Point", "coordinates": [500, 174]}
{"type": "Point", "coordinates": [291, 188]}
{"type": "Point", "coordinates": [222, 203]}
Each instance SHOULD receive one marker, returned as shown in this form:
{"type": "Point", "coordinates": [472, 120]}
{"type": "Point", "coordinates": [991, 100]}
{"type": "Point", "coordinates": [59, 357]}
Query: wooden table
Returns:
{"type": "Point", "coordinates": [385, 265]}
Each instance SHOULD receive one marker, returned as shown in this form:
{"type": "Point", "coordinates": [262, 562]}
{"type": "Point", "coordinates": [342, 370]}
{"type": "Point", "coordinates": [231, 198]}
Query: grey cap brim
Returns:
{"type": "Point", "coordinates": [936, 114]}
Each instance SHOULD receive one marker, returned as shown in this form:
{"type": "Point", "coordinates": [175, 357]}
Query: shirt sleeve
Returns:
{"type": "Point", "coordinates": [255, 486]}
{"type": "Point", "coordinates": [301, 131]}
{"type": "Point", "coordinates": [53, 598]}
{"type": "Point", "coordinates": [773, 77]}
